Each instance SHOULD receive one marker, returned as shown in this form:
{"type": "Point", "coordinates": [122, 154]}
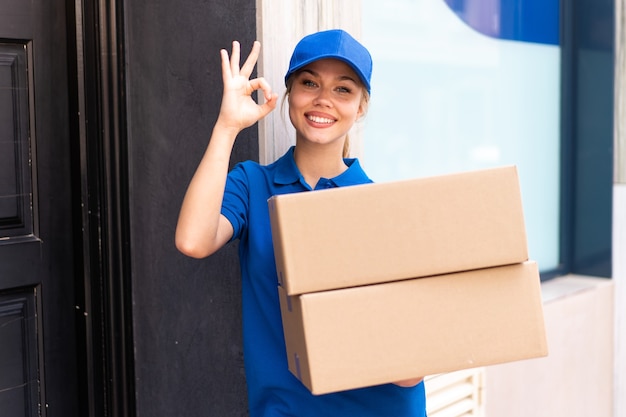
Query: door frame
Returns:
{"type": "Point", "coordinates": [101, 184]}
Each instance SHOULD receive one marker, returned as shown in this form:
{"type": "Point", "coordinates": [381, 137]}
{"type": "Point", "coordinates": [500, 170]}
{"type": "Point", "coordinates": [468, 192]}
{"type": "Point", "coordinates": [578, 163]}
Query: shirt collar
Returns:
{"type": "Point", "coordinates": [287, 172]}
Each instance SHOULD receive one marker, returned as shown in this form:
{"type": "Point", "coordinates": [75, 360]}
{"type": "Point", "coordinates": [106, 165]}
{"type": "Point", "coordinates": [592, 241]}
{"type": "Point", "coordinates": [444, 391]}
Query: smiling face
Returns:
{"type": "Point", "coordinates": [325, 99]}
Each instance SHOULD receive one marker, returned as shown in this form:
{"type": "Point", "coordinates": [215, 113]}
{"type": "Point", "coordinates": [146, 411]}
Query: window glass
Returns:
{"type": "Point", "coordinates": [451, 96]}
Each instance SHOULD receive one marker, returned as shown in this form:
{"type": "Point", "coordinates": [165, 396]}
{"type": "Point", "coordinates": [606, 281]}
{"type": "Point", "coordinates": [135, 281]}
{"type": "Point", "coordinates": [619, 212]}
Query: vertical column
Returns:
{"type": "Point", "coordinates": [619, 211]}
{"type": "Point", "coordinates": [280, 24]}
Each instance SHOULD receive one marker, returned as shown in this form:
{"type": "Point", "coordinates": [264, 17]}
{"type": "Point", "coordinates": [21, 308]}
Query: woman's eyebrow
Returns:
{"type": "Point", "coordinates": [340, 77]}
{"type": "Point", "coordinates": [313, 73]}
{"type": "Point", "coordinates": [346, 78]}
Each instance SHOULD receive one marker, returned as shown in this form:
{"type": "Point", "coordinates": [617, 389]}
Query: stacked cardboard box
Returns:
{"type": "Point", "coordinates": [386, 282]}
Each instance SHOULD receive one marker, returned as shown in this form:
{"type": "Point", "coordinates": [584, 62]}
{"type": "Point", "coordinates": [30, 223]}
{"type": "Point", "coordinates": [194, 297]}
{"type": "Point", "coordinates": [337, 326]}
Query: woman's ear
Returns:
{"type": "Point", "coordinates": [362, 110]}
{"type": "Point", "coordinates": [363, 105]}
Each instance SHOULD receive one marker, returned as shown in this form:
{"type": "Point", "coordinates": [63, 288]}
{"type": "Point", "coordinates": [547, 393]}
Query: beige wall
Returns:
{"type": "Point", "coordinates": [585, 371]}
{"type": "Point", "coordinates": [619, 278]}
{"type": "Point", "coordinates": [575, 380]}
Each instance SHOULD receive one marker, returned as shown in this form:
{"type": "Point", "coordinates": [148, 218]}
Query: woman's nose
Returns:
{"type": "Point", "coordinates": [323, 97]}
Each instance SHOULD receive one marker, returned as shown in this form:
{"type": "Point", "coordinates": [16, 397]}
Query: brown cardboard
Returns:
{"type": "Point", "coordinates": [363, 336]}
{"type": "Point", "coordinates": [374, 233]}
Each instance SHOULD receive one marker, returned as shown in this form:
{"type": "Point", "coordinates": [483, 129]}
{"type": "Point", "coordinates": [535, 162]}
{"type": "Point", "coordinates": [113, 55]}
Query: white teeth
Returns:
{"type": "Point", "coordinates": [317, 119]}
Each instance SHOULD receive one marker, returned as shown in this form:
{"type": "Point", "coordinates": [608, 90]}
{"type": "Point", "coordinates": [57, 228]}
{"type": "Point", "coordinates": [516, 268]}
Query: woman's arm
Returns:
{"type": "Point", "coordinates": [201, 229]}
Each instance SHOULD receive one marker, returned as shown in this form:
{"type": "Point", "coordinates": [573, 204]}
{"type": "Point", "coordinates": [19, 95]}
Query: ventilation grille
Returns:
{"type": "Point", "coordinates": [455, 394]}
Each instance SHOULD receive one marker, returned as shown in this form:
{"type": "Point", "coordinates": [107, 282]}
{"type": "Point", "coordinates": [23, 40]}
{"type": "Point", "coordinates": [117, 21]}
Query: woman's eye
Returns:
{"type": "Point", "coordinates": [309, 83]}
{"type": "Point", "coordinates": [344, 89]}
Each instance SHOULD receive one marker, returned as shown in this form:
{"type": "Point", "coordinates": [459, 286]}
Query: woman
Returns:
{"type": "Point", "coordinates": [328, 86]}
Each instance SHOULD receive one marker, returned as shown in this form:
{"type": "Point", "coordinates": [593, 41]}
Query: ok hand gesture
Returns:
{"type": "Point", "coordinates": [238, 109]}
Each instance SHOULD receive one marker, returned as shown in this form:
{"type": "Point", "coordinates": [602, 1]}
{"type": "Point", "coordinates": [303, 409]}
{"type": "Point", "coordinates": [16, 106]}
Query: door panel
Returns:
{"type": "Point", "coordinates": [15, 176]}
{"type": "Point", "coordinates": [18, 354]}
{"type": "Point", "coordinates": [17, 227]}
{"type": "Point", "coordinates": [38, 370]}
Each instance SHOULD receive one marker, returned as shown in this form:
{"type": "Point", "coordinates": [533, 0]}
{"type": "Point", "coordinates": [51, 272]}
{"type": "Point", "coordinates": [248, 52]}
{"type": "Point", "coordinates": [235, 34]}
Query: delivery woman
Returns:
{"type": "Point", "coordinates": [328, 88]}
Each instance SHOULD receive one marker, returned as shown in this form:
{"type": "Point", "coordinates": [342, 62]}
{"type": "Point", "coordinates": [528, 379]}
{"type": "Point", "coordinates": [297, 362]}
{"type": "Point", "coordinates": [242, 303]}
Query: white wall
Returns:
{"type": "Point", "coordinates": [585, 372]}
{"type": "Point", "coordinates": [619, 212]}
{"type": "Point", "coordinates": [281, 24]}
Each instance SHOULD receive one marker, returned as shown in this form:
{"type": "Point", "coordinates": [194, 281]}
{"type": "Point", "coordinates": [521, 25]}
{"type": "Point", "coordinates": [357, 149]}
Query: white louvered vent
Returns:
{"type": "Point", "coordinates": [455, 394]}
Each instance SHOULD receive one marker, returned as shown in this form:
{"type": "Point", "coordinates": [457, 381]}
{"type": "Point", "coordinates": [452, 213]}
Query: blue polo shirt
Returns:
{"type": "Point", "coordinates": [272, 389]}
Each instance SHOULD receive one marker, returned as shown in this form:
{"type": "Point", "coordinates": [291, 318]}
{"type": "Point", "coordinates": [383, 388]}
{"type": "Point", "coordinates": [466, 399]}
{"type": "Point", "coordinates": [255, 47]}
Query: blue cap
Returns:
{"type": "Point", "coordinates": [334, 43]}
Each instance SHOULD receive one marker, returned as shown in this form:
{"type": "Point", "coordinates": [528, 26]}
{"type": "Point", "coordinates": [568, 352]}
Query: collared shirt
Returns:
{"type": "Point", "coordinates": [272, 389]}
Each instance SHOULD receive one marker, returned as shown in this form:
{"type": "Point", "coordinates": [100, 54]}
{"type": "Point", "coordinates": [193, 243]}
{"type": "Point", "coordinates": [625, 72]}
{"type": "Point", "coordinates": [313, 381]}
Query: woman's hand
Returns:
{"type": "Point", "coordinates": [238, 109]}
{"type": "Point", "coordinates": [409, 382]}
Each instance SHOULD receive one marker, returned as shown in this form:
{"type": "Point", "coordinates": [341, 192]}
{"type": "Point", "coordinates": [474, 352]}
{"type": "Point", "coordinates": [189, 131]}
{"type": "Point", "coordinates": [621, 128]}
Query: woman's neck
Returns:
{"type": "Point", "coordinates": [315, 162]}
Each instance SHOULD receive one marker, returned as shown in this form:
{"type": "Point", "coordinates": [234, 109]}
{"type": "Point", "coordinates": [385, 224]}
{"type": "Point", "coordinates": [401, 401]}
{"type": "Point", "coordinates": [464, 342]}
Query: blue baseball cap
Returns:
{"type": "Point", "coordinates": [334, 43]}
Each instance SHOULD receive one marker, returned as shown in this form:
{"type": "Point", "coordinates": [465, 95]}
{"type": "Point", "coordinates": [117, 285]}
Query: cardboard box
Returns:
{"type": "Point", "coordinates": [374, 233]}
{"type": "Point", "coordinates": [363, 336]}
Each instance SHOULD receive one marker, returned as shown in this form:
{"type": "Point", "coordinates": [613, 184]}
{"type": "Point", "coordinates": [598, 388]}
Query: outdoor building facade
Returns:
{"type": "Point", "coordinates": [106, 108]}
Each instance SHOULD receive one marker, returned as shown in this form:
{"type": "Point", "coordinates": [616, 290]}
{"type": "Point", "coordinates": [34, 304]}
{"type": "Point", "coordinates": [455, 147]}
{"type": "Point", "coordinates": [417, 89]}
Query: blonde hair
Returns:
{"type": "Point", "coordinates": [365, 98]}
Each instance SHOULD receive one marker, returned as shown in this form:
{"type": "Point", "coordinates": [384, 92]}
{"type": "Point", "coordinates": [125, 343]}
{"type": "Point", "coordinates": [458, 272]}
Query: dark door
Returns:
{"type": "Point", "coordinates": [37, 307]}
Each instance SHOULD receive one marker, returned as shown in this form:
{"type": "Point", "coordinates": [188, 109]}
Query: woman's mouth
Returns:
{"type": "Point", "coordinates": [320, 120]}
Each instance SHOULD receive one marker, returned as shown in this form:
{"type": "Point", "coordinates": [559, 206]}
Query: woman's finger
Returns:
{"type": "Point", "coordinates": [262, 84]}
{"type": "Point", "coordinates": [248, 66]}
{"type": "Point", "coordinates": [234, 59]}
{"type": "Point", "coordinates": [226, 74]}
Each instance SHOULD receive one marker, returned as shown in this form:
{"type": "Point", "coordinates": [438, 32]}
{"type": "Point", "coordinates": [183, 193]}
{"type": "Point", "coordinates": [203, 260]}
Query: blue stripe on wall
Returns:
{"type": "Point", "coordinates": [534, 21]}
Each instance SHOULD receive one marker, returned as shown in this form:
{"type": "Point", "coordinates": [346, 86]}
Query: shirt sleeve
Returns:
{"type": "Point", "coordinates": [235, 204]}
